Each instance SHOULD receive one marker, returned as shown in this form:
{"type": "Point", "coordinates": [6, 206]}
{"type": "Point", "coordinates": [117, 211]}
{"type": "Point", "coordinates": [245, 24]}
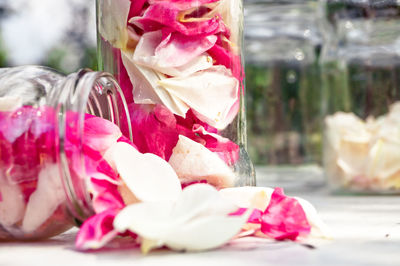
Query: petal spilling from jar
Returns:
{"type": "Point", "coordinates": [146, 89]}
{"type": "Point", "coordinates": [160, 54]}
{"type": "Point", "coordinates": [194, 162]}
{"type": "Point", "coordinates": [185, 4]}
{"type": "Point", "coordinates": [114, 18]}
{"type": "Point", "coordinates": [210, 93]}
{"type": "Point", "coordinates": [100, 134]}
{"type": "Point", "coordinates": [198, 220]}
{"type": "Point", "coordinates": [97, 231]}
{"type": "Point", "coordinates": [48, 195]}
{"type": "Point", "coordinates": [149, 177]}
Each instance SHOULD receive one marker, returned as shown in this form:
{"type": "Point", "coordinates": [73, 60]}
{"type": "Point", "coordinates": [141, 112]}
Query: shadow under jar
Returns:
{"type": "Point", "coordinates": [179, 65]}
{"type": "Point", "coordinates": [361, 82]}
{"type": "Point", "coordinates": [43, 150]}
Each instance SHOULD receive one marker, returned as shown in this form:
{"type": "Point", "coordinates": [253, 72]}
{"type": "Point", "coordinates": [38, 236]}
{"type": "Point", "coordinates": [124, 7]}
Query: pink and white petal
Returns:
{"type": "Point", "coordinates": [194, 162]}
{"type": "Point", "coordinates": [211, 94]}
{"type": "Point", "coordinates": [97, 231]}
{"type": "Point", "coordinates": [146, 89]}
{"type": "Point", "coordinates": [185, 4]}
{"type": "Point", "coordinates": [149, 177]}
{"type": "Point", "coordinates": [48, 195]}
{"type": "Point", "coordinates": [113, 25]}
{"type": "Point", "coordinates": [318, 227]}
{"type": "Point", "coordinates": [10, 103]}
{"type": "Point", "coordinates": [206, 233]}
{"type": "Point", "coordinates": [248, 197]}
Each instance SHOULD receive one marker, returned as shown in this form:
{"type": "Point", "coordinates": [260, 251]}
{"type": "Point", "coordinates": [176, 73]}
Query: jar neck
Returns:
{"type": "Point", "coordinates": [81, 93]}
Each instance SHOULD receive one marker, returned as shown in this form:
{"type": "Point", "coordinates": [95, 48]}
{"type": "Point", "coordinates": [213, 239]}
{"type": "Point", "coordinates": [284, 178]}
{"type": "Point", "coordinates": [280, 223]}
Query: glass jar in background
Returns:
{"type": "Point", "coordinates": [361, 81]}
{"type": "Point", "coordinates": [180, 67]}
{"type": "Point", "coordinates": [44, 166]}
{"type": "Point", "coordinates": [282, 48]}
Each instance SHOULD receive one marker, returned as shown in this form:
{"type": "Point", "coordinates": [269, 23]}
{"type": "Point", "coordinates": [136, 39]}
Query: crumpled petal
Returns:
{"type": "Point", "coordinates": [113, 22]}
{"type": "Point", "coordinates": [165, 15]}
{"type": "Point", "coordinates": [198, 220]}
{"type": "Point", "coordinates": [160, 54]}
{"type": "Point", "coordinates": [210, 93]}
{"type": "Point", "coordinates": [149, 177]}
{"type": "Point", "coordinates": [146, 89]}
{"type": "Point", "coordinates": [184, 4]}
{"type": "Point", "coordinates": [194, 162]}
{"type": "Point", "coordinates": [284, 218]}
{"type": "Point", "coordinates": [97, 231]}
{"type": "Point", "coordinates": [48, 195]}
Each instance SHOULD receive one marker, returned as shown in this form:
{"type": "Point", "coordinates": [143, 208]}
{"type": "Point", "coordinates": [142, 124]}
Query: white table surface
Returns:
{"type": "Point", "coordinates": [366, 232]}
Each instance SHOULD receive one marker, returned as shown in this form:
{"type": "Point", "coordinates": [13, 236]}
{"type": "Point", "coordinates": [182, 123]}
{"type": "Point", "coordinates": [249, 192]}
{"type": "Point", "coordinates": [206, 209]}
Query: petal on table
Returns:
{"type": "Point", "coordinates": [149, 177]}
{"type": "Point", "coordinates": [194, 162]}
{"type": "Point", "coordinates": [97, 231]}
{"type": "Point", "coordinates": [210, 93]}
{"type": "Point", "coordinates": [248, 197]}
{"type": "Point", "coordinates": [113, 22]}
{"type": "Point", "coordinates": [48, 195]}
{"type": "Point", "coordinates": [284, 218]}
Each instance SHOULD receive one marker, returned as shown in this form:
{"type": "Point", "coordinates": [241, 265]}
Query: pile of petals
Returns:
{"type": "Point", "coordinates": [157, 212]}
{"type": "Point", "coordinates": [364, 155]}
{"type": "Point", "coordinates": [181, 72]}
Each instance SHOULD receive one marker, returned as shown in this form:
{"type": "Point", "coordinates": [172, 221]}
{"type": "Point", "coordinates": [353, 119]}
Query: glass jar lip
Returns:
{"type": "Point", "coordinates": [96, 93]}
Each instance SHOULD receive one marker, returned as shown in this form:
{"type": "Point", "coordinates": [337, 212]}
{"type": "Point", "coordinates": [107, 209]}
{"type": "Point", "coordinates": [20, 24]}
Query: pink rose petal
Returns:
{"type": "Point", "coordinates": [284, 218]}
{"type": "Point", "coordinates": [97, 231]}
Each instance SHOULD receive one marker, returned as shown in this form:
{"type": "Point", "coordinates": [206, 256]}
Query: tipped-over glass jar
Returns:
{"type": "Point", "coordinates": [180, 67]}
{"type": "Point", "coordinates": [361, 66]}
{"type": "Point", "coordinates": [43, 142]}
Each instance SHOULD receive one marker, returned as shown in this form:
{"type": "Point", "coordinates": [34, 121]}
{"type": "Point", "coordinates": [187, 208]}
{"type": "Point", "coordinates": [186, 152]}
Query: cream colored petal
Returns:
{"type": "Point", "coordinates": [194, 162]}
{"type": "Point", "coordinates": [113, 21]}
{"type": "Point", "coordinates": [10, 104]}
{"type": "Point", "coordinates": [384, 159]}
{"type": "Point", "coordinates": [248, 197]}
{"type": "Point", "coordinates": [149, 177]}
{"type": "Point", "coordinates": [146, 89]}
{"type": "Point", "coordinates": [352, 157]}
{"type": "Point", "coordinates": [206, 233]}
{"type": "Point", "coordinates": [48, 195]}
{"type": "Point", "coordinates": [210, 93]}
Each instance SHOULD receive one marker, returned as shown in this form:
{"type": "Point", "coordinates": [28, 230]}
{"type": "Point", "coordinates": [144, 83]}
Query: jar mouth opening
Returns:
{"type": "Point", "coordinates": [94, 93]}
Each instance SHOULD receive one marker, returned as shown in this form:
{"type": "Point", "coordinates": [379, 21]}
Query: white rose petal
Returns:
{"type": "Point", "coordinates": [10, 104]}
{"type": "Point", "coordinates": [149, 177]}
{"type": "Point", "coordinates": [12, 204]}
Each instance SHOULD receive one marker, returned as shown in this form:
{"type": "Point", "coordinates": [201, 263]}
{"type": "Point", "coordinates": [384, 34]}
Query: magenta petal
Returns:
{"type": "Point", "coordinates": [97, 231]}
{"type": "Point", "coordinates": [254, 218]}
{"type": "Point", "coordinates": [105, 196]}
{"type": "Point", "coordinates": [184, 4]}
{"type": "Point", "coordinates": [284, 218]}
{"type": "Point", "coordinates": [163, 15]}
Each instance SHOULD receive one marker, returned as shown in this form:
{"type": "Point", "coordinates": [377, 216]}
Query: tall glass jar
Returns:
{"type": "Point", "coordinates": [361, 66]}
{"type": "Point", "coordinates": [283, 44]}
{"type": "Point", "coordinates": [179, 64]}
{"type": "Point", "coordinates": [43, 168]}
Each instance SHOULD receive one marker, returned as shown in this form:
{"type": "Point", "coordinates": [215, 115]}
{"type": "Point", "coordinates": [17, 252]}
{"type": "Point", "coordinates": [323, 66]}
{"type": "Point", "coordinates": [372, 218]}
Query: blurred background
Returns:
{"type": "Point", "coordinates": [59, 34]}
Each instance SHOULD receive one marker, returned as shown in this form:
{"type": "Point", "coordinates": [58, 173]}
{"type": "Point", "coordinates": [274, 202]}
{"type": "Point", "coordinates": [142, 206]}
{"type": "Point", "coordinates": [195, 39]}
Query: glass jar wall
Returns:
{"type": "Point", "coordinates": [283, 44]}
{"type": "Point", "coordinates": [361, 66]}
{"type": "Point", "coordinates": [179, 64]}
{"type": "Point", "coordinates": [44, 145]}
